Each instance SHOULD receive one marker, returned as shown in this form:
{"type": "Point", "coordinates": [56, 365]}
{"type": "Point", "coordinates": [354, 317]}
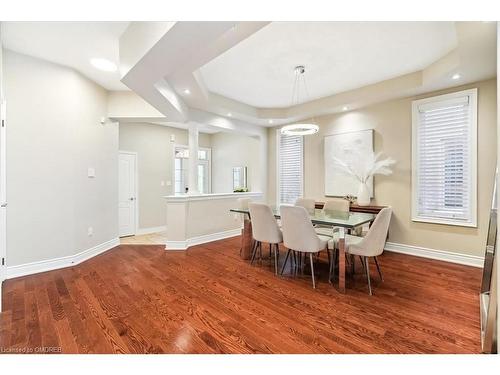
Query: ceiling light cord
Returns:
{"type": "Point", "coordinates": [301, 128]}
{"type": "Point", "coordinates": [307, 94]}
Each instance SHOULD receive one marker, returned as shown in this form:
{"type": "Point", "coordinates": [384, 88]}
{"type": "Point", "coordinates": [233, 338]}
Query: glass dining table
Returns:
{"type": "Point", "coordinates": [340, 220]}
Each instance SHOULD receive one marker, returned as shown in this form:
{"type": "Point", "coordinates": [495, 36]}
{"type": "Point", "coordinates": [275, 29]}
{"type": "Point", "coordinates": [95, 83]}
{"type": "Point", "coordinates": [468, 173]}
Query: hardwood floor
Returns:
{"type": "Point", "coordinates": [159, 238]}
{"type": "Point", "coordinates": [141, 299]}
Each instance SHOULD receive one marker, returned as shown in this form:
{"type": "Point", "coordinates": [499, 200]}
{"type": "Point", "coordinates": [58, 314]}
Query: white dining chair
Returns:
{"type": "Point", "coordinates": [337, 204]}
{"type": "Point", "coordinates": [307, 203]}
{"type": "Point", "coordinates": [265, 229]}
{"type": "Point", "coordinates": [243, 203]}
{"type": "Point", "coordinates": [299, 235]}
{"type": "Point", "coordinates": [369, 246]}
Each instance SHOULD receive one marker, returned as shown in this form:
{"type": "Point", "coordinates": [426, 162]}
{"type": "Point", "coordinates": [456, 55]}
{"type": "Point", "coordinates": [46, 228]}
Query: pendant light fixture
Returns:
{"type": "Point", "coordinates": [305, 128]}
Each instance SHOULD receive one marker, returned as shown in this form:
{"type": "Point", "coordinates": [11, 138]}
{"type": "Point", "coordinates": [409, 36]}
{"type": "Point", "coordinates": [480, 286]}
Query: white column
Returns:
{"type": "Point", "coordinates": [193, 159]}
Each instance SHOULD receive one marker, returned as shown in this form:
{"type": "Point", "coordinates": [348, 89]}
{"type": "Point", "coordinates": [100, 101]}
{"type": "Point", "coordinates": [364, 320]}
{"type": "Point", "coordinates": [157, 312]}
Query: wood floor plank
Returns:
{"type": "Point", "coordinates": [142, 299]}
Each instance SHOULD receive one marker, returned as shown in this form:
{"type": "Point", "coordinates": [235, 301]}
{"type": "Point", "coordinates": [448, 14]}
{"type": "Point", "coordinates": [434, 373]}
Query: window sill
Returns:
{"type": "Point", "coordinates": [456, 223]}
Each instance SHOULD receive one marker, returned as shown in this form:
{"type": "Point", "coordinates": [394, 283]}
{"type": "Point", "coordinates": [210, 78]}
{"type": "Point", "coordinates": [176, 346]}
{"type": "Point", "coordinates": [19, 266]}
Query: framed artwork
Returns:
{"type": "Point", "coordinates": [345, 146]}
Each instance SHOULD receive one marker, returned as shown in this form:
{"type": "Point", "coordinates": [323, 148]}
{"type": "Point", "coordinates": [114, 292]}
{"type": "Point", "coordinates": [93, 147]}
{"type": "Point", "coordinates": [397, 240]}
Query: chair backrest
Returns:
{"type": "Point", "coordinates": [374, 241]}
{"type": "Point", "coordinates": [337, 204]}
{"type": "Point", "coordinates": [298, 231]}
{"type": "Point", "coordinates": [243, 203]}
{"type": "Point", "coordinates": [308, 204]}
{"type": "Point", "coordinates": [264, 225]}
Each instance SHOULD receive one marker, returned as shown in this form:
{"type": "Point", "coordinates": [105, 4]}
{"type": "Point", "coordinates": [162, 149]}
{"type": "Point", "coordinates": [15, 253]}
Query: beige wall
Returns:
{"type": "Point", "coordinates": [232, 150]}
{"type": "Point", "coordinates": [155, 164]}
{"type": "Point", "coordinates": [392, 124]}
{"type": "Point", "coordinates": [54, 135]}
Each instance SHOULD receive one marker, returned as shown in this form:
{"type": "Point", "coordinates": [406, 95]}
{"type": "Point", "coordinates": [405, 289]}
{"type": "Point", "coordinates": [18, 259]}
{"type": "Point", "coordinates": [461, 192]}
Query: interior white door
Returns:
{"type": "Point", "coordinates": [127, 193]}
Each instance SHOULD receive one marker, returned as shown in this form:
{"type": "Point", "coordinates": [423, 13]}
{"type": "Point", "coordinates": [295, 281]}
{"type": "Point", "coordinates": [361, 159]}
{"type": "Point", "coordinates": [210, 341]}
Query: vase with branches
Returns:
{"type": "Point", "coordinates": [363, 166]}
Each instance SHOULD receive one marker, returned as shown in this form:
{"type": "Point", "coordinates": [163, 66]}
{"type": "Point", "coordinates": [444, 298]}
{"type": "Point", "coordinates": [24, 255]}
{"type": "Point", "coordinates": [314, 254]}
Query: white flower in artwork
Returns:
{"type": "Point", "coordinates": [364, 165]}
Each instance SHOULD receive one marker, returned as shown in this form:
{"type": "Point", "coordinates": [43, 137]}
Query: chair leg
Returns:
{"type": "Point", "coordinates": [270, 251]}
{"type": "Point", "coordinates": [286, 259]}
{"type": "Point", "coordinates": [367, 268]}
{"type": "Point", "coordinates": [312, 270]}
{"type": "Point", "coordinates": [353, 266]}
{"type": "Point", "coordinates": [378, 269]}
{"type": "Point", "coordinates": [362, 263]}
{"type": "Point", "coordinates": [254, 252]}
{"type": "Point", "coordinates": [260, 252]}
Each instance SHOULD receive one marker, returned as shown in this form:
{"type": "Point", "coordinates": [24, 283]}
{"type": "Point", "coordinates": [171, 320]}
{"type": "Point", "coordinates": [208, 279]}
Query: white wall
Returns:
{"type": "Point", "coordinates": [54, 135]}
{"type": "Point", "coordinates": [155, 164]}
{"type": "Point", "coordinates": [233, 150]}
{"type": "Point", "coordinates": [127, 104]}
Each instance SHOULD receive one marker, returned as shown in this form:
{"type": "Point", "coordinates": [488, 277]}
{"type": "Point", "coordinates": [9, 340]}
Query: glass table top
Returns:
{"type": "Point", "coordinates": [328, 217]}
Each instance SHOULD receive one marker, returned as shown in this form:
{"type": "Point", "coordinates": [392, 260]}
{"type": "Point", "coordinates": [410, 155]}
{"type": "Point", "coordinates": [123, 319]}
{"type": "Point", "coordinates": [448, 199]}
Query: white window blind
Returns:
{"type": "Point", "coordinates": [444, 159]}
{"type": "Point", "coordinates": [290, 167]}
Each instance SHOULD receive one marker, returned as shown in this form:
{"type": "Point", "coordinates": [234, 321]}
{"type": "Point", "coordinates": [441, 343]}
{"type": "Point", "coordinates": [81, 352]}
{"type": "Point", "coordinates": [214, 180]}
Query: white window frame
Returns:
{"type": "Point", "coordinates": [209, 153]}
{"type": "Point", "coordinates": [278, 168]}
{"type": "Point", "coordinates": [472, 222]}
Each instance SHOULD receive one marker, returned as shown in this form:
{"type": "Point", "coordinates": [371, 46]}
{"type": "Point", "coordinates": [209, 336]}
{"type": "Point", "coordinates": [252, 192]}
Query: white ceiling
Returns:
{"type": "Point", "coordinates": [338, 56]}
{"type": "Point", "coordinates": [71, 44]}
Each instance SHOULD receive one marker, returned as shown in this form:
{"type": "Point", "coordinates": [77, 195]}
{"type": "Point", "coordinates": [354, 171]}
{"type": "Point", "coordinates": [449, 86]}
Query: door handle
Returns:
{"type": "Point", "coordinates": [3, 205]}
{"type": "Point", "coordinates": [131, 198]}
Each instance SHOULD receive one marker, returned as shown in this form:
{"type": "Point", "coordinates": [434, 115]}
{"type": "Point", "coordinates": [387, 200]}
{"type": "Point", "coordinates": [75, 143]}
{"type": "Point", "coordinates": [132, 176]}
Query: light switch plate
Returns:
{"type": "Point", "coordinates": [91, 172]}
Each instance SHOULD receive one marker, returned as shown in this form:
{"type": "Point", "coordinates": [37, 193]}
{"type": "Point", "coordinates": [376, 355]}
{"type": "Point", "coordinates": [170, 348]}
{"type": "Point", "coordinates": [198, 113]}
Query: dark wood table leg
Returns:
{"type": "Point", "coordinates": [246, 240]}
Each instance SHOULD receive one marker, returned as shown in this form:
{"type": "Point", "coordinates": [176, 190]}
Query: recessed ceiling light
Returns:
{"type": "Point", "coordinates": [270, 121]}
{"type": "Point", "coordinates": [103, 64]}
{"type": "Point", "coordinates": [229, 114]}
{"type": "Point", "coordinates": [455, 76]}
{"type": "Point", "coordinates": [187, 92]}
{"type": "Point", "coordinates": [344, 108]}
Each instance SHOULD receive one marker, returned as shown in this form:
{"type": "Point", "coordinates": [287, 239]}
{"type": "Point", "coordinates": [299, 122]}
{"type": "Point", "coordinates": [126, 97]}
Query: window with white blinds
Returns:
{"type": "Point", "coordinates": [444, 159]}
{"type": "Point", "coordinates": [290, 167]}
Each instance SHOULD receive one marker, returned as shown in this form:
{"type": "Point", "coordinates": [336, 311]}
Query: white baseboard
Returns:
{"type": "Point", "coordinates": [141, 231]}
{"type": "Point", "coordinates": [446, 256]}
{"type": "Point", "coordinates": [54, 264]}
{"type": "Point", "coordinates": [183, 245]}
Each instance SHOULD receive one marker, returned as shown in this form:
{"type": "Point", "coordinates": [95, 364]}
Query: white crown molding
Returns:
{"type": "Point", "coordinates": [184, 245]}
{"type": "Point", "coordinates": [142, 231]}
{"type": "Point", "coordinates": [445, 256]}
{"type": "Point", "coordinates": [57, 263]}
